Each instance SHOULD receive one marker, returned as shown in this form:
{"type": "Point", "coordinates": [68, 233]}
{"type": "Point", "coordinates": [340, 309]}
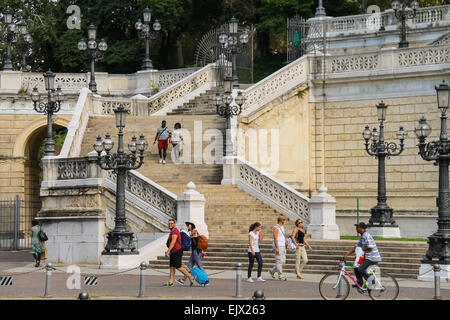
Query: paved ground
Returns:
{"type": "Point", "coordinates": [126, 285]}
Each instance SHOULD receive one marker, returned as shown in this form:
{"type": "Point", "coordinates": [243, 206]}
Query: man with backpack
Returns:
{"type": "Point", "coordinates": [163, 135]}
{"type": "Point", "coordinates": [197, 247]}
{"type": "Point", "coordinates": [175, 252]}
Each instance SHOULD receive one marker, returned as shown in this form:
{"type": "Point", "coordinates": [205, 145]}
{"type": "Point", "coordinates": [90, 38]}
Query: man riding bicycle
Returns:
{"type": "Point", "coordinates": [371, 254]}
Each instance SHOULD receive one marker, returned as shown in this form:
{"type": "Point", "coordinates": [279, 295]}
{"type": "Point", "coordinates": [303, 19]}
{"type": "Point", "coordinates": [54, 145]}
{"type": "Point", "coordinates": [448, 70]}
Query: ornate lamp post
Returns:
{"type": "Point", "coordinates": [382, 214]}
{"type": "Point", "coordinates": [120, 240]}
{"type": "Point", "coordinates": [25, 44]}
{"type": "Point", "coordinates": [147, 34]}
{"type": "Point", "coordinates": [402, 12]}
{"type": "Point", "coordinates": [10, 37]}
{"type": "Point", "coordinates": [439, 152]}
{"type": "Point", "coordinates": [225, 108]}
{"type": "Point", "coordinates": [231, 45]}
{"type": "Point", "coordinates": [51, 107]}
{"type": "Point", "coordinates": [93, 52]}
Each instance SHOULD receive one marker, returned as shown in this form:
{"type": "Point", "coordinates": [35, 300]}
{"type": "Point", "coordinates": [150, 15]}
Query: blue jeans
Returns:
{"type": "Point", "coordinates": [361, 271]}
{"type": "Point", "coordinates": [251, 261]}
{"type": "Point", "coordinates": [195, 259]}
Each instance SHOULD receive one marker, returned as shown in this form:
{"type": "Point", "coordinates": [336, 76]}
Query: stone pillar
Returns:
{"type": "Point", "coordinates": [323, 216]}
{"type": "Point", "coordinates": [229, 171]}
{"type": "Point", "coordinates": [191, 206]}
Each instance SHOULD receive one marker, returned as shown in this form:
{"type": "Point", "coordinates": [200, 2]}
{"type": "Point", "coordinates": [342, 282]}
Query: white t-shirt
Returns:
{"type": "Point", "coordinates": [255, 241]}
{"type": "Point", "coordinates": [280, 239]}
{"type": "Point", "coordinates": [176, 136]}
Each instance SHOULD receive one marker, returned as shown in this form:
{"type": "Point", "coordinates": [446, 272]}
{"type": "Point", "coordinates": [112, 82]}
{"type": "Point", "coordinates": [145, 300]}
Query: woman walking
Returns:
{"type": "Point", "coordinates": [254, 238]}
{"type": "Point", "coordinates": [298, 237]}
{"type": "Point", "coordinates": [37, 246]}
{"type": "Point", "coordinates": [176, 140]}
{"type": "Point", "coordinates": [196, 254]}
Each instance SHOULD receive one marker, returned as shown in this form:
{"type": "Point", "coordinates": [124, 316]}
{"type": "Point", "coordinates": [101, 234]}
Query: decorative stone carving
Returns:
{"type": "Point", "coordinates": [109, 105]}
{"type": "Point", "coordinates": [355, 63]}
{"type": "Point", "coordinates": [166, 78]}
{"type": "Point", "coordinates": [73, 168]}
{"type": "Point", "coordinates": [423, 56]}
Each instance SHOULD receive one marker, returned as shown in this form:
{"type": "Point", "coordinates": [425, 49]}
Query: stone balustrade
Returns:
{"type": "Point", "coordinates": [142, 82]}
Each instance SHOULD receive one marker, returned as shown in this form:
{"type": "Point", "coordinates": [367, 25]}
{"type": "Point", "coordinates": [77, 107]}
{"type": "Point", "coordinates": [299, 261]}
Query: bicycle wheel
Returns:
{"type": "Point", "coordinates": [330, 289]}
{"type": "Point", "coordinates": [384, 287]}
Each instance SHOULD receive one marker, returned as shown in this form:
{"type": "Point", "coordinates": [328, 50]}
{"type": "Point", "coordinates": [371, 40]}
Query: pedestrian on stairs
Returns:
{"type": "Point", "coordinates": [163, 135]}
{"type": "Point", "coordinates": [196, 254]}
{"type": "Point", "coordinates": [176, 140]}
{"type": "Point", "coordinates": [175, 253]}
{"type": "Point", "coordinates": [280, 247]}
{"type": "Point", "coordinates": [299, 238]}
{"type": "Point", "coordinates": [255, 237]}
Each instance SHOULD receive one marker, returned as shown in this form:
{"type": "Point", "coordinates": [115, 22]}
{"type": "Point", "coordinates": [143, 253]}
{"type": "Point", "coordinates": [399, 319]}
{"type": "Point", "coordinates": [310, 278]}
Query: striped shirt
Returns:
{"type": "Point", "coordinates": [366, 241]}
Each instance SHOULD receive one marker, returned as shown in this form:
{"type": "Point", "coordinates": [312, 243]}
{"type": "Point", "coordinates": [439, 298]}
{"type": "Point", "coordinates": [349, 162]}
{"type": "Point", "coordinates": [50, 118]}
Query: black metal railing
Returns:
{"type": "Point", "coordinates": [15, 223]}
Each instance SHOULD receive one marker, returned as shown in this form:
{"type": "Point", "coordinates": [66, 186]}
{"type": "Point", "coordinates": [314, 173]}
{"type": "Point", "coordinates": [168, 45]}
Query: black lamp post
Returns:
{"type": "Point", "coordinates": [25, 44]}
{"type": "Point", "coordinates": [225, 109]}
{"type": "Point", "coordinates": [382, 214]}
{"type": "Point", "coordinates": [402, 12]}
{"type": "Point", "coordinates": [439, 152]}
{"type": "Point", "coordinates": [51, 107]}
{"type": "Point", "coordinates": [10, 37]}
{"type": "Point", "coordinates": [231, 45]}
{"type": "Point", "coordinates": [147, 34]}
{"type": "Point", "coordinates": [120, 240]}
{"type": "Point", "coordinates": [92, 51]}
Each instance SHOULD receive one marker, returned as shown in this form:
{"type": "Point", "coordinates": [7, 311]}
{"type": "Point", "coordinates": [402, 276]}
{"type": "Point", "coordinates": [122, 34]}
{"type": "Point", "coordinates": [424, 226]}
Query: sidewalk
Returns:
{"type": "Point", "coordinates": [125, 285]}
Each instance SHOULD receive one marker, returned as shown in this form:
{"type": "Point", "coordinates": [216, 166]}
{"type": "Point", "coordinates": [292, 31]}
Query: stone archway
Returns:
{"type": "Point", "coordinates": [26, 147]}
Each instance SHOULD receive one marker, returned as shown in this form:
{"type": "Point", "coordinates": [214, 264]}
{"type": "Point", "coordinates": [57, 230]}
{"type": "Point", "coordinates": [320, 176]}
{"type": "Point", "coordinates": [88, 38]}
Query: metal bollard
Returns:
{"type": "Point", "coordinates": [143, 266]}
{"type": "Point", "coordinates": [84, 296]}
{"type": "Point", "coordinates": [437, 282]}
{"type": "Point", "coordinates": [258, 295]}
{"type": "Point", "coordinates": [48, 273]}
{"type": "Point", "coordinates": [238, 280]}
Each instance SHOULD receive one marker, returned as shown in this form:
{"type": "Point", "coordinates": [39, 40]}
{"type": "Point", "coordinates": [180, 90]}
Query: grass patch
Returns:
{"type": "Point", "coordinates": [390, 239]}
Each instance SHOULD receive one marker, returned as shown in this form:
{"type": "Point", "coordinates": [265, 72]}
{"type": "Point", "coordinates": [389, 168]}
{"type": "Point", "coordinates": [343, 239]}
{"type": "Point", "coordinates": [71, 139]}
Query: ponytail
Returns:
{"type": "Point", "coordinates": [253, 226]}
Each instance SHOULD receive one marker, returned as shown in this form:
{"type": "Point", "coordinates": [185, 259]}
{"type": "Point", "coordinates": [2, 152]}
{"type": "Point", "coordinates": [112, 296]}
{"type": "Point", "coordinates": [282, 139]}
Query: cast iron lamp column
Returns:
{"type": "Point", "coordinates": [10, 37]}
{"type": "Point", "coordinates": [25, 44]}
{"type": "Point", "coordinates": [382, 214]}
{"type": "Point", "coordinates": [53, 106]}
{"type": "Point", "coordinates": [402, 12]}
{"type": "Point", "coordinates": [231, 45]}
{"type": "Point", "coordinates": [120, 240]}
{"type": "Point", "coordinates": [147, 34]}
{"type": "Point", "coordinates": [225, 109]}
{"type": "Point", "coordinates": [93, 52]}
{"type": "Point", "coordinates": [439, 152]}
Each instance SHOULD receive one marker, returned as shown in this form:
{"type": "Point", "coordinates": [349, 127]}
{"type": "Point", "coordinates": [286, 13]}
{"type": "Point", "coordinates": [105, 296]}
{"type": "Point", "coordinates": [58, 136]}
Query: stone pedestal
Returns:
{"type": "Point", "coordinates": [74, 239]}
{"type": "Point", "coordinates": [323, 216]}
{"type": "Point", "coordinates": [191, 206]}
{"type": "Point", "coordinates": [426, 272]}
{"type": "Point", "coordinates": [384, 231]}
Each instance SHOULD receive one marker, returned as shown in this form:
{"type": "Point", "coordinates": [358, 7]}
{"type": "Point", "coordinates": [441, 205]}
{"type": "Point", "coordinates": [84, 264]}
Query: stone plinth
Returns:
{"type": "Point", "coordinates": [191, 206]}
{"type": "Point", "coordinates": [426, 272]}
{"type": "Point", "coordinates": [323, 216]}
{"type": "Point", "coordinates": [386, 231]}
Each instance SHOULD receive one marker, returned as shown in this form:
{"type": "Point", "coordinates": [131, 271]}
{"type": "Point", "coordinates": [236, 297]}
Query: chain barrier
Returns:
{"type": "Point", "coordinates": [21, 273]}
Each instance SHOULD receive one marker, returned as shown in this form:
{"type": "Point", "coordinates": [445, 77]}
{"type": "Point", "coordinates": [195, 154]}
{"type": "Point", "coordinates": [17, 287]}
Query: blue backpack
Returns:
{"type": "Point", "coordinates": [185, 241]}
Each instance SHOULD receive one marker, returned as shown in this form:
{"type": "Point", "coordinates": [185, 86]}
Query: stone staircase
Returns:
{"type": "Point", "coordinates": [401, 259]}
{"type": "Point", "coordinates": [229, 211]}
{"type": "Point", "coordinates": [200, 105]}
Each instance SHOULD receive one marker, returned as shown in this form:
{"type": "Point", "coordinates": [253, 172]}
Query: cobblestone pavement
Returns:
{"type": "Point", "coordinates": [126, 285]}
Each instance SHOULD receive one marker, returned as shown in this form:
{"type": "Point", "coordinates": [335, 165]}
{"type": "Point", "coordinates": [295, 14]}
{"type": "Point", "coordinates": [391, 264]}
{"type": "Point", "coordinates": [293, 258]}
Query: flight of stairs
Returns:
{"type": "Point", "coordinates": [203, 104]}
{"type": "Point", "coordinates": [229, 211]}
{"type": "Point", "coordinates": [401, 259]}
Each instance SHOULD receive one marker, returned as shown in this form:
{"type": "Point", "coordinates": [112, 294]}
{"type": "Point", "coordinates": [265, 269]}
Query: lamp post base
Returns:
{"type": "Point", "coordinates": [384, 231]}
{"type": "Point", "coordinates": [147, 64]}
{"type": "Point", "coordinates": [120, 243]}
{"type": "Point", "coordinates": [438, 249]}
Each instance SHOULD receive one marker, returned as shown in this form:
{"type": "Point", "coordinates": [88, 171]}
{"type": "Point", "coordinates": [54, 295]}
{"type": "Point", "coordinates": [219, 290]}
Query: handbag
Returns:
{"type": "Point", "coordinates": [42, 236]}
{"type": "Point", "coordinates": [44, 255]}
{"type": "Point", "coordinates": [291, 244]}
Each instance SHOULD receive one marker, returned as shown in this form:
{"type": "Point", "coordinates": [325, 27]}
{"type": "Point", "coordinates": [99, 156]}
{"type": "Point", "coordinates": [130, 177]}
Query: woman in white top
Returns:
{"type": "Point", "coordinates": [254, 238]}
{"type": "Point", "coordinates": [176, 140]}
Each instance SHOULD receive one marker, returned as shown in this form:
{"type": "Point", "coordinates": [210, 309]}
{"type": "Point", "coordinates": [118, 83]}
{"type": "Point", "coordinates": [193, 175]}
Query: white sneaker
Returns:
{"type": "Point", "coordinates": [260, 279]}
{"type": "Point", "coordinates": [250, 280]}
{"type": "Point", "coordinates": [160, 160]}
{"type": "Point", "coordinates": [164, 161]}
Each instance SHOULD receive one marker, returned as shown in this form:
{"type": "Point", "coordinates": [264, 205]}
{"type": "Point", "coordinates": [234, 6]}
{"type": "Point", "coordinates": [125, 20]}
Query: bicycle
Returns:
{"type": "Point", "coordinates": [381, 286]}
